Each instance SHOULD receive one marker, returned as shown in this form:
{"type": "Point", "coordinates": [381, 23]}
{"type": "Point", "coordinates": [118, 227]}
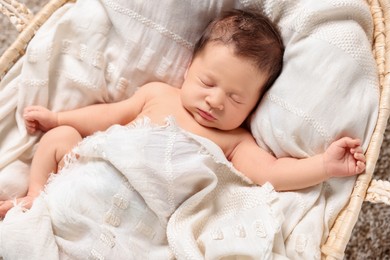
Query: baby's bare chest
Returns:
{"type": "Point", "coordinates": [158, 110]}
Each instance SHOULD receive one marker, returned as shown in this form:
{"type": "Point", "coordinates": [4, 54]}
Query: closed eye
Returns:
{"type": "Point", "coordinates": [236, 99]}
{"type": "Point", "coordinates": [206, 83]}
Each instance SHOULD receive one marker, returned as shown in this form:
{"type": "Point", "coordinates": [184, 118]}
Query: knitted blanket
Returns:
{"type": "Point", "coordinates": [146, 192]}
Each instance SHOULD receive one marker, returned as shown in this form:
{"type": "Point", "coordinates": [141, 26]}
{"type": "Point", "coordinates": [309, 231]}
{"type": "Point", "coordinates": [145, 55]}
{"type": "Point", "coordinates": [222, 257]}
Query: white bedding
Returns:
{"type": "Point", "coordinates": [170, 194]}
{"type": "Point", "coordinates": [158, 192]}
{"type": "Point", "coordinates": [81, 57]}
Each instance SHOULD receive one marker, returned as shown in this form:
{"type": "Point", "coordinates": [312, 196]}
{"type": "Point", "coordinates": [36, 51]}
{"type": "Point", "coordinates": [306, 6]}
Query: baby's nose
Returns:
{"type": "Point", "coordinates": [216, 100]}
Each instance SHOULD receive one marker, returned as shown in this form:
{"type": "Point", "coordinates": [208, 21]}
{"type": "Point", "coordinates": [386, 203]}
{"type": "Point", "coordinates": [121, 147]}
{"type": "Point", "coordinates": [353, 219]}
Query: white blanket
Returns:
{"type": "Point", "coordinates": [146, 192]}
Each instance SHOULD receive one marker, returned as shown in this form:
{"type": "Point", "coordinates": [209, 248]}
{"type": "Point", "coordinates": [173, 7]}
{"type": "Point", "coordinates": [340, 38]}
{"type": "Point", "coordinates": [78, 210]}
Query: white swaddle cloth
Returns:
{"type": "Point", "coordinates": [144, 191]}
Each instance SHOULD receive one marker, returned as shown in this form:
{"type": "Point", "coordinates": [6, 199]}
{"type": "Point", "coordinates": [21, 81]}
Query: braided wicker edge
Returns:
{"type": "Point", "coordinates": [16, 50]}
{"type": "Point", "coordinates": [18, 13]}
{"type": "Point", "coordinates": [341, 231]}
{"type": "Point", "coordinates": [378, 192]}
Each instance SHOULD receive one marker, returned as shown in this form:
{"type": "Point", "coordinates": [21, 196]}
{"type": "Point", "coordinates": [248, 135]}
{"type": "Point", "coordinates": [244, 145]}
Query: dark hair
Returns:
{"type": "Point", "coordinates": [253, 36]}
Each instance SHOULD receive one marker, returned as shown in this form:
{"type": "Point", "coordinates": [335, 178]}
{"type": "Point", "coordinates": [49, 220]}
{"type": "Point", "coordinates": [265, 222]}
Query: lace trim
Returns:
{"type": "Point", "coordinates": [146, 122]}
{"type": "Point", "coordinates": [169, 168]}
{"type": "Point", "coordinates": [204, 143]}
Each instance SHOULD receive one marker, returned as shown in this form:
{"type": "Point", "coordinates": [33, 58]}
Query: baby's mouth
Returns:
{"type": "Point", "coordinates": [207, 116]}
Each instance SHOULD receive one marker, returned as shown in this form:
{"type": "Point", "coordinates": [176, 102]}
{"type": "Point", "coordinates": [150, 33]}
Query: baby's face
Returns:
{"type": "Point", "coordinates": [221, 89]}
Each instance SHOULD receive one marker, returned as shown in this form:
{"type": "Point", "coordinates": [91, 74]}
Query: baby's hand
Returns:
{"type": "Point", "coordinates": [344, 157]}
{"type": "Point", "coordinates": [39, 118]}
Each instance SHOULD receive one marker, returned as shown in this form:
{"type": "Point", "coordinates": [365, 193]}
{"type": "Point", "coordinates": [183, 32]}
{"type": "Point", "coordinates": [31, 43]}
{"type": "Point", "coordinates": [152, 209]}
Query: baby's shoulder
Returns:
{"type": "Point", "coordinates": [157, 89]}
{"type": "Point", "coordinates": [229, 141]}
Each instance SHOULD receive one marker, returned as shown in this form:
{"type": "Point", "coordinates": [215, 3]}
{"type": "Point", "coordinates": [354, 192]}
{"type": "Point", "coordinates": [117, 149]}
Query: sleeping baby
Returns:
{"type": "Point", "coordinates": [235, 61]}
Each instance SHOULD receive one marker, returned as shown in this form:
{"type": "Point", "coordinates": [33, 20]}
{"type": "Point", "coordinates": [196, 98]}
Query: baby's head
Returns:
{"type": "Point", "coordinates": [252, 35]}
{"type": "Point", "coordinates": [236, 60]}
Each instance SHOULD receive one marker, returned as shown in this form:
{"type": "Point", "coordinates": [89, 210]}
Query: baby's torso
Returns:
{"type": "Point", "coordinates": [158, 108]}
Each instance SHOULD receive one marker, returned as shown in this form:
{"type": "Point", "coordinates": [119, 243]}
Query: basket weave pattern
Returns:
{"type": "Point", "coordinates": [378, 191]}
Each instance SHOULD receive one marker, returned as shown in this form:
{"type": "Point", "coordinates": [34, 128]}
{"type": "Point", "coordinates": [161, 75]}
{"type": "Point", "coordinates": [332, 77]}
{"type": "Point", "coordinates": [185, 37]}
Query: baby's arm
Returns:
{"type": "Point", "coordinates": [343, 158]}
{"type": "Point", "coordinates": [89, 119]}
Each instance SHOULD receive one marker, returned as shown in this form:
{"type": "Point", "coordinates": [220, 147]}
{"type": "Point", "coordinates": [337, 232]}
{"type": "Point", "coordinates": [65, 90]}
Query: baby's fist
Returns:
{"type": "Point", "coordinates": [344, 157]}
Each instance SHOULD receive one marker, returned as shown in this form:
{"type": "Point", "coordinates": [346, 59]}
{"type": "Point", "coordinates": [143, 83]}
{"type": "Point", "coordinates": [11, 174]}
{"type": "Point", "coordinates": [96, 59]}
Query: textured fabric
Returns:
{"type": "Point", "coordinates": [79, 57]}
{"type": "Point", "coordinates": [152, 172]}
{"type": "Point", "coordinates": [329, 84]}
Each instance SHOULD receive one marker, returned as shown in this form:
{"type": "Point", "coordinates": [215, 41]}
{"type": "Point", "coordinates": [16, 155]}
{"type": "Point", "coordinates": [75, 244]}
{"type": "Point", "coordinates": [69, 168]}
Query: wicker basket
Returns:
{"type": "Point", "coordinates": [366, 189]}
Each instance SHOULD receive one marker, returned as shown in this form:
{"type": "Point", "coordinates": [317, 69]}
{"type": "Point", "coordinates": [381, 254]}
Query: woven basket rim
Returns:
{"type": "Point", "coordinates": [341, 231]}
{"type": "Point", "coordinates": [17, 48]}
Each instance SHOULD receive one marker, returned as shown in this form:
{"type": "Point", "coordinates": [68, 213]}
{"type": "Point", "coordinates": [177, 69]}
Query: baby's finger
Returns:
{"type": "Point", "coordinates": [31, 130]}
{"type": "Point", "coordinates": [358, 149]}
{"type": "Point", "coordinates": [27, 115]}
{"type": "Point", "coordinates": [27, 109]}
{"type": "Point", "coordinates": [33, 115]}
{"type": "Point", "coordinates": [359, 157]}
{"type": "Point", "coordinates": [348, 142]}
{"type": "Point", "coordinates": [353, 142]}
{"type": "Point", "coordinates": [28, 123]}
{"type": "Point", "coordinates": [30, 108]}
{"type": "Point", "coordinates": [360, 167]}
{"type": "Point", "coordinates": [31, 126]}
